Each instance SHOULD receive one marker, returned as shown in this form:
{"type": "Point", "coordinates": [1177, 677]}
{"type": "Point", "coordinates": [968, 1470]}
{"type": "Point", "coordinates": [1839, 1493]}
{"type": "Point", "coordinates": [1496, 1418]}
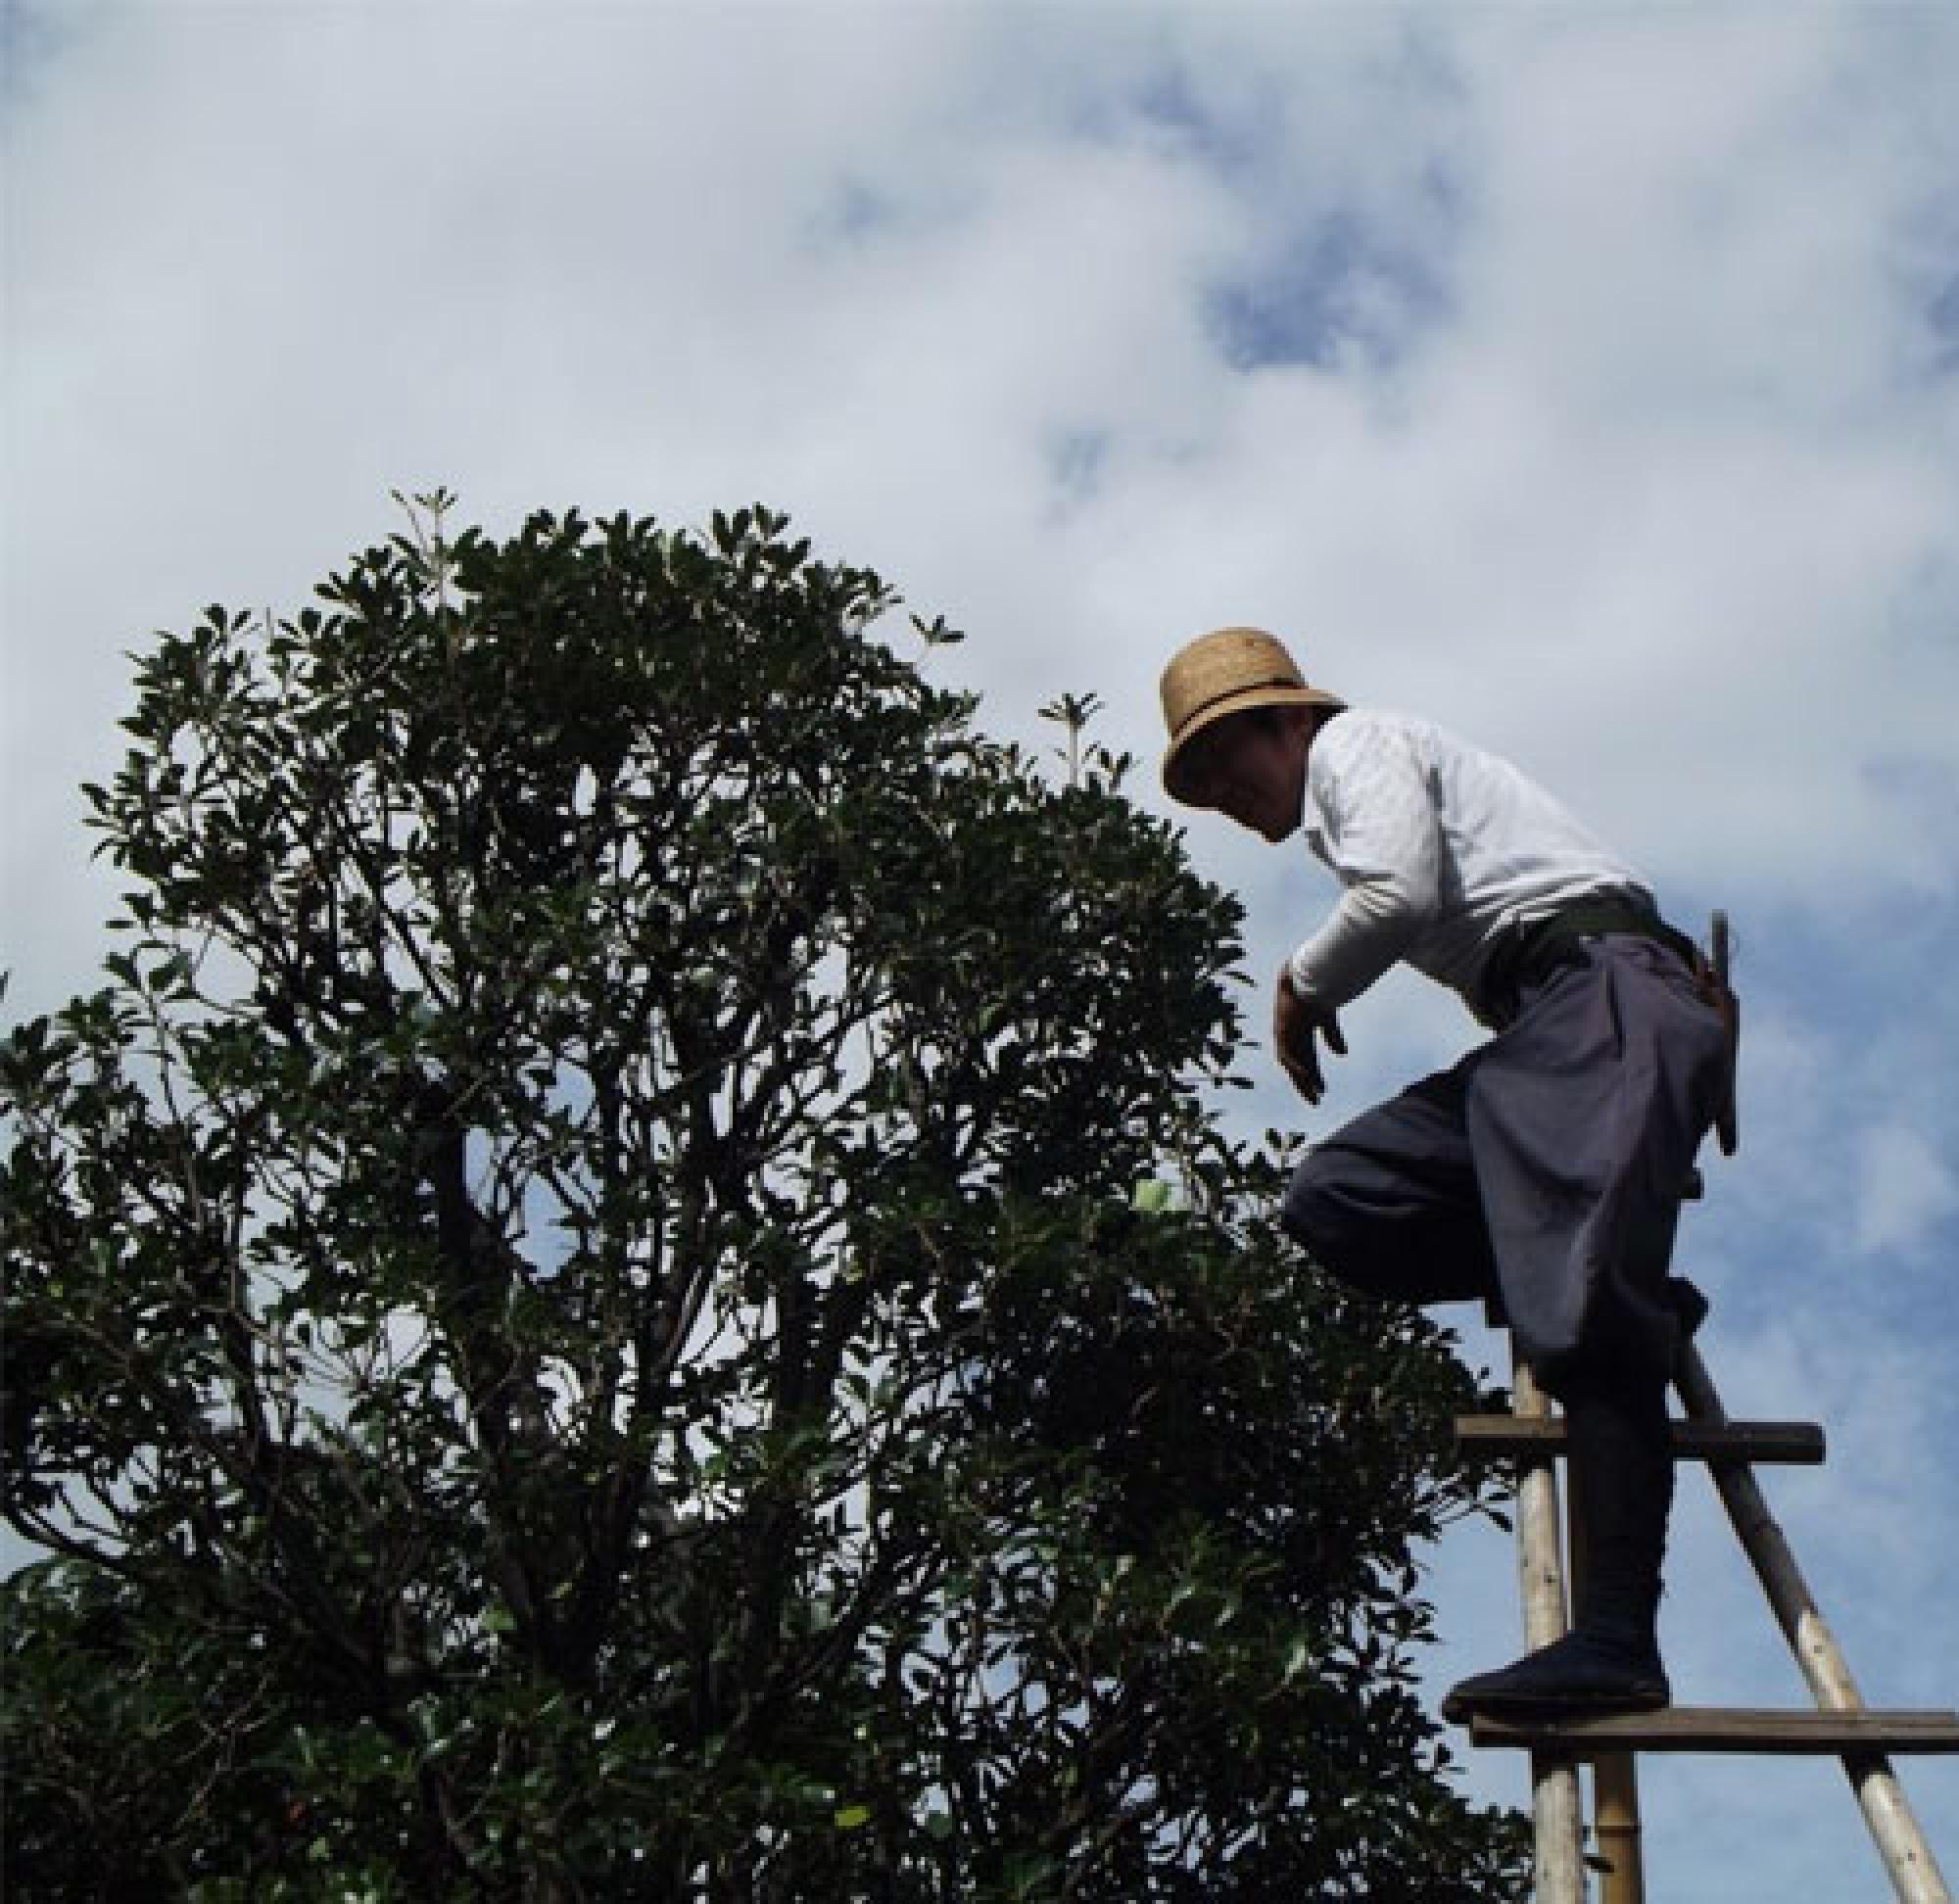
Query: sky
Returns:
{"type": "Point", "coordinates": [1584, 378]}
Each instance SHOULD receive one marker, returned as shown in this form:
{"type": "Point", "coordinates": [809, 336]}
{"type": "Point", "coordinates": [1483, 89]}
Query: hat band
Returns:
{"type": "Point", "coordinates": [1236, 688]}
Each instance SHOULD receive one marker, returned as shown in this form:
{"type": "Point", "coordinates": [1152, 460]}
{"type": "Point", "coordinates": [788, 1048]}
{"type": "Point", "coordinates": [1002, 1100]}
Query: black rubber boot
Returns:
{"type": "Point", "coordinates": [1610, 1661]}
{"type": "Point", "coordinates": [1581, 1676]}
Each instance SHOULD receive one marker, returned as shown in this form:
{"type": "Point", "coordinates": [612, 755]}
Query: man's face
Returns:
{"type": "Point", "coordinates": [1252, 769]}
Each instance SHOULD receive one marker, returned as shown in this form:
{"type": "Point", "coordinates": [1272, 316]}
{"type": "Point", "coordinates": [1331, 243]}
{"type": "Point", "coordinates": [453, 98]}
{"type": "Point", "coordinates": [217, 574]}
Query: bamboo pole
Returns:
{"type": "Point", "coordinates": [1901, 1844]}
{"type": "Point", "coordinates": [1615, 1812]}
{"type": "Point", "coordinates": [1615, 1784]}
{"type": "Point", "coordinates": [1554, 1796]}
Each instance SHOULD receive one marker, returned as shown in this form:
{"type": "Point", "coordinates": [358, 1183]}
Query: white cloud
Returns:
{"type": "Point", "coordinates": [1907, 1189]}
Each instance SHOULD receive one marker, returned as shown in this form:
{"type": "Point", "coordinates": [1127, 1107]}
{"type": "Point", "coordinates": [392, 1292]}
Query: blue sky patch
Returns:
{"type": "Point", "coordinates": [1942, 315]}
{"type": "Point", "coordinates": [31, 39]}
{"type": "Point", "coordinates": [1336, 295]}
{"type": "Point", "coordinates": [1077, 459]}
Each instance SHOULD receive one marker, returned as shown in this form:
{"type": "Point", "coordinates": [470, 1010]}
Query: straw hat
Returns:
{"type": "Point", "coordinates": [1226, 672]}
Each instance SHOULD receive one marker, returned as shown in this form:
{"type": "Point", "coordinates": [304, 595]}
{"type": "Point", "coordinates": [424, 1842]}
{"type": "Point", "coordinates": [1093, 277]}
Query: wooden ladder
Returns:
{"type": "Point", "coordinates": [1841, 1723]}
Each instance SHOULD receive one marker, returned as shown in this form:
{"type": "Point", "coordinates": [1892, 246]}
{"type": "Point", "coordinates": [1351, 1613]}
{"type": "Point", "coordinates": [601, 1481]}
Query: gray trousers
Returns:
{"type": "Point", "coordinates": [1543, 1173]}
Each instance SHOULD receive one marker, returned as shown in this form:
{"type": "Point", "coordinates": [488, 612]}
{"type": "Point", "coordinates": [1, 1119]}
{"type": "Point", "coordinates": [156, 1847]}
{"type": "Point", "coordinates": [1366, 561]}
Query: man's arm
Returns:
{"type": "Point", "coordinates": [1379, 832]}
{"type": "Point", "coordinates": [1295, 1020]}
{"type": "Point", "coordinates": [1381, 837]}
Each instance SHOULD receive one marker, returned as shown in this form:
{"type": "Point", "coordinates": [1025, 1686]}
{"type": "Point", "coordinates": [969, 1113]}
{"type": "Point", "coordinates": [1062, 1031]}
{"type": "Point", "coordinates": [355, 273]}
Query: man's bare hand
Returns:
{"type": "Point", "coordinates": [1295, 1025]}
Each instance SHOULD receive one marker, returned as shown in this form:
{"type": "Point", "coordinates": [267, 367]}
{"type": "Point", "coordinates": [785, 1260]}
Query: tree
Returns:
{"type": "Point", "coordinates": [595, 1310]}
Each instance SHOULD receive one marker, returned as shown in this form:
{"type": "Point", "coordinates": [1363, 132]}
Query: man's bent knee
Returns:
{"type": "Point", "coordinates": [1357, 1229]}
{"type": "Point", "coordinates": [1321, 1217]}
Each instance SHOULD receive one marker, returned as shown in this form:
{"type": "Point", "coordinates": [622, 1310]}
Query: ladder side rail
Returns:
{"type": "Point", "coordinates": [1901, 1842]}
{"type": "Point", "coordinates": [1556, 1807]}
{"type": "Point", "coordinates": [1615, 1784]}
{"type": "Point", "coordinates": [1615, 1812]}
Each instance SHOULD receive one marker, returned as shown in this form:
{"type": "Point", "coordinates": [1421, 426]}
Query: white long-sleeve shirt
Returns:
{"type": "Point", "coordinates": [1441, 849]}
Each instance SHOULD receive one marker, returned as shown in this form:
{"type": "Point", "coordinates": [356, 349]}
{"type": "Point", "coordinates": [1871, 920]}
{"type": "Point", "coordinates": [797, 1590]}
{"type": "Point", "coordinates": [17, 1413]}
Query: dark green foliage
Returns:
{"type": "Point", "coordinates": [577, 1320]}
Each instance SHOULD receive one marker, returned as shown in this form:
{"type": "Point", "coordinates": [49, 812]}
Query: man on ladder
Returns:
{"type": "Point", "coordinates": [1544, 1172]}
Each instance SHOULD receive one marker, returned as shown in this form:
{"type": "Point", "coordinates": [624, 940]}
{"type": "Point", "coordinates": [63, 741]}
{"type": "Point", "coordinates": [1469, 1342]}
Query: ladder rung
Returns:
{"type": "Point", "coordinates": [1727, 1729]}
{"type": "Point", "coordinates": [1791, 1442]}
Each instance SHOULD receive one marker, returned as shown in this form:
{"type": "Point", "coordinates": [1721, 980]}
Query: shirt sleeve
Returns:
{"type": "Point", "coordinates": [1379, 830]}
